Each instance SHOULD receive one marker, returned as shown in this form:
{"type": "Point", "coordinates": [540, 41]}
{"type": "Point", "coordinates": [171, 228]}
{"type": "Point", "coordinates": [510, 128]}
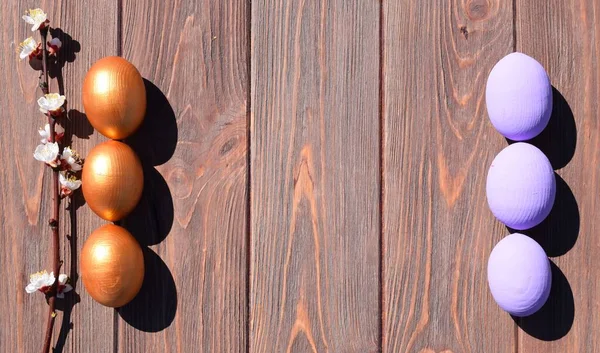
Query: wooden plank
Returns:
{"type": "Point", "coordinates": [194, 150]}
{"type": "Point", "coordinates": [562, 35]}
{"type": "Point", "coordinates": [315, 176]}
{"type": "Point", "coordinates": [25, 202]}
{"type": "Point", "coordinates": [437, 146]}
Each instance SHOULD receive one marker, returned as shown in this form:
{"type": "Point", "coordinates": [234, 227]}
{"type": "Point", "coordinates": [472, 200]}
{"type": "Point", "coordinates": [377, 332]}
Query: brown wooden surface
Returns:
{"type": "Point", "coordinates": [25, 195]}
{"type": "Point", "coordinates": [314, 272]}
{"type": "Point", "coordinates": [438, 145]}
{"type": "Point", "coordinates": [315, 176]}
{"type": "Point", "coordinates": [569, 50]}
{"type": "Point", "coordinates": [196, 54]}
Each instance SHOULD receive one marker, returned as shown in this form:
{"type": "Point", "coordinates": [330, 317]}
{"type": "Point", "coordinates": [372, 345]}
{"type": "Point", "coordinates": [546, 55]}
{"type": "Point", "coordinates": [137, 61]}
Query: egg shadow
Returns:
{"type": "Point", "coordinates": [151, 221]}
{"type": "Point", "coordinates": [555, 319]}
{"type": "Point", "coordinates": [154, 142]}
{"type": "Point", "coordinates": [155, 306]}
{"type": "Point", "coordinates": [558, 233]}
{"type": "Point", "coordinates": [558, 140]}
{"type": "Point", "coordinates": [156, 139]}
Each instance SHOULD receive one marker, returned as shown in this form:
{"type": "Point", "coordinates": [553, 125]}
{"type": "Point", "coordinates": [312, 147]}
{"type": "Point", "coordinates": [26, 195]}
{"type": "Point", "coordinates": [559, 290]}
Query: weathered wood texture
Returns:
{"type": "Point", "coordinates": [563, 36]}
{"type": "Point", "coordinates": [196, 53]}
{"type": "Point", "coordinates": [355, 222]}
{"type": "Point", "coordinates": [314, 273]}
{"type": "Point", "coordinates": [437, 147]}
{"type": "Point", "coordinates": [25, 202]}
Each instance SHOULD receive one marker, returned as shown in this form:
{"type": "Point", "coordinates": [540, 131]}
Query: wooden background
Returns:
{"type": "Point", "coordinates": [315, 175]}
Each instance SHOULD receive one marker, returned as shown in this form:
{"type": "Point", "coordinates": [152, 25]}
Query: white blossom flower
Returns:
{"type": "Point", "coordinates": [54, 45]}
{"type": "Point", "coordinates": [28, 48]}
{"type": "Point", "coordinates": [45, 133]}
{"type": "Point", "coordinates": [72, 159]}
{"type": "Point", "coordinates": [51, 103]}
{"type": "Point", "coordinates": [47, 153]}
{"type": "Point", "coordinates": [63, 286]}
{"type": "Point", "coordinates": [68, 184]}
{"type": "Point", "coordinates": [41, 281]}
{"type": "Point", "coordinates": [37, 18]}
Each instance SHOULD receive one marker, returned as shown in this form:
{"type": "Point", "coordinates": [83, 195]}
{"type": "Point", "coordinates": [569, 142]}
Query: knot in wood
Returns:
{"type": "Point", "coordinates": [477, 9]}
{"type": "Point", "coordinates": [53, 224]}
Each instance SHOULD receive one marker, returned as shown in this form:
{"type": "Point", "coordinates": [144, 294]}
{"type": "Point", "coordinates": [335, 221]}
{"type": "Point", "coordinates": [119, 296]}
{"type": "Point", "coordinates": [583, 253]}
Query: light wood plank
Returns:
{"type": "Point", "coordinates": [315, 176]}
{"type": "Point", "coordinates": [438, 144]}
{"type": "Point", "coordinates": [194, 213]}
{"type": "Point", "coordinates": [25, 195]}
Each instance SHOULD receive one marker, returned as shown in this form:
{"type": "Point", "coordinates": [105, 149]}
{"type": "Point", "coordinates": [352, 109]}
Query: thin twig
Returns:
{"type": "Point", "coordinates": [55, 204]}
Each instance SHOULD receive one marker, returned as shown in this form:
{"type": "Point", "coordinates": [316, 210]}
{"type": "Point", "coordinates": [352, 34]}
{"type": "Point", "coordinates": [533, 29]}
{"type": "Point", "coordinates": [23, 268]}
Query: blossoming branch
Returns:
{"type": "Point", "coordinates": [64, 162]}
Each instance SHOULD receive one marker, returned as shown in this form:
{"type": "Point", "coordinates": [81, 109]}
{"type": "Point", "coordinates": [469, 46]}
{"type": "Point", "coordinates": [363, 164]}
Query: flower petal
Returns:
{"type": "Point", "coordinates": [31, 288]}
{"type": "Point", "coordinates": [62, 279]}
{"type": "Point", "coordinates": [28, 19]}
{"type": "Point", "coordinates": [50, 280]}
{"type": "Point", "coordinates": [45, 134]}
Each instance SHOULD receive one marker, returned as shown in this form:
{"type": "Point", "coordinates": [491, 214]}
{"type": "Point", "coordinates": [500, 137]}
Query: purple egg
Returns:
{"type": "Point", "coordinates": [519, 275]}
{"type": "Point", "coordinates": [521, 186]}
{"type": "Point", "coordinates": [519, 97]}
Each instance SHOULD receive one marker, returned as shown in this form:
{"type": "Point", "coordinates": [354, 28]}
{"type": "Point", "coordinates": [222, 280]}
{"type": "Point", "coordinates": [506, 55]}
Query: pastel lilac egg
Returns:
{"type": "Point", "coordinates": [519, 275]}
{"type": "Point", "coordinates": [519, 97]}
{"type": "Point", "coordinates": [521, 186]}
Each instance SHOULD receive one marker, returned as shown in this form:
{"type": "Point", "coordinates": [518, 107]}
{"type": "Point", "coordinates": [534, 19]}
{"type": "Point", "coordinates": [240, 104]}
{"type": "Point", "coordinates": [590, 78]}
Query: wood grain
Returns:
{"type": "Point", "coordinates": [196, 54]}
{"type": "Point", "coordinates": [25, 199]}
{"type": "Point", "coordinates": [314, 176]}
{"type": "Point", "coordinates": [356, 222]}
{"type": "Point", "coordinates": [562, 35]}
{"type": "Point", "coordinates": [437, 147]}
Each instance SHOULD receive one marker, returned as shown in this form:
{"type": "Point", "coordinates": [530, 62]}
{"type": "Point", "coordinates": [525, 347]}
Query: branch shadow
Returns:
{"type": "Point", "coordinates": [66, 54]}
{"type": "Point", "coordinates": [69, 49]}
{"type": "Point", "coordinates": [555, 319]}
{"type": "Point", "coordinates": [558, 141]}
{"type": "Point", "coordinates": [558, 233]}
{"type": "Point", "coordinates": [154, 308]}
{"type": "Point", "coordinates": [72, 298]}
{"type": "Point", "coordinates": [79, 126]}
{"type": "Point", "coordinates": [77, 123]}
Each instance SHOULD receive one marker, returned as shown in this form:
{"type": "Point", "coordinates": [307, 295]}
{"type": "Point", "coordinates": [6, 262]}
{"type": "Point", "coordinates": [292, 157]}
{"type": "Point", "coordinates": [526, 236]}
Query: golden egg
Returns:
{"type": "Point", "coordinates": [112, 180]}
{"type": "Point", "coordinates": [112, 266]}
{"type": "Point", "coordinates": [114, 97]}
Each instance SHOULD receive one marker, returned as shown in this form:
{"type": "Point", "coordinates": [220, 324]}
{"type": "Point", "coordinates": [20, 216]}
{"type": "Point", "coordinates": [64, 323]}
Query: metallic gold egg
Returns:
{"type": "Point", "coordinates": [114, 97]}
{"type": "Point", "coordinates": [112, 180]}
{"type": "Point", "coordinates": [112, 266]}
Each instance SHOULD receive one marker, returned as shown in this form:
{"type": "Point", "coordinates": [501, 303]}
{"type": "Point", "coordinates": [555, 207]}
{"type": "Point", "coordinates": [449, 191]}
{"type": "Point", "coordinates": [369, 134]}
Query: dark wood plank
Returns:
{"type": "Point", "coordinates": [315, 176]}
{"type": "Point", "coordinates": [438, 144]}
{"type": "Point", "coordinates": [194, 148]}
{"type": "Point", "coordinates": [25, 195]}
{"type": "Point", "coordinates": [562, 35]}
